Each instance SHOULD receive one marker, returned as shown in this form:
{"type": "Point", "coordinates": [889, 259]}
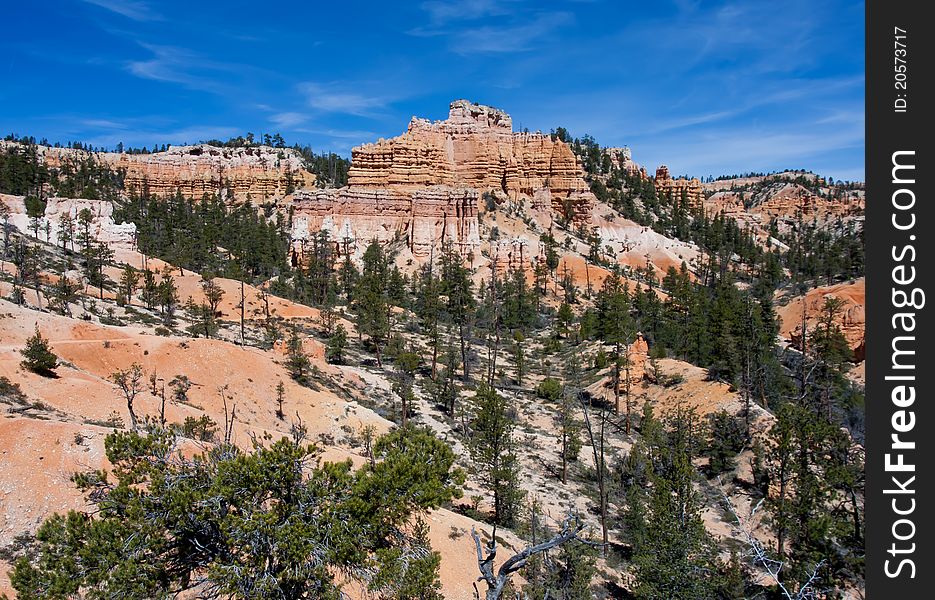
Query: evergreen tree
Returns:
{"type": "Point", "coordinates": [457, 287]}
{"type": "Point", "coordinates": [38, 356]}
{"type": "Point", "coordinates": [168, 298]}
{"type": "Point", "coordinates": [297, 362]}
{"type": "Point", "coordinates": [337, 343]}
{"type": "Point", "coordinates": [371, 302]}
{"type": "Point", "coordinates": [129, 280]}
{"type": "Point", "coordinates": [493, 452]}
{"type": "Point", "coordinates": [269, 523]}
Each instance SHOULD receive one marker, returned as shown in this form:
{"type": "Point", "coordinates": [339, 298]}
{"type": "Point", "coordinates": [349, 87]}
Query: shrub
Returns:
{"type": "Point", "coordinates": [549, 389]}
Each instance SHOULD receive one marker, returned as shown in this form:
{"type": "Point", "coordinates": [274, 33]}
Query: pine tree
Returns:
{"type": "Point", "coordinates": [38, 356]}
{"type": "Point", "coordinates": [337, 343]}
{"type": "Point", "coordinates": [168, 298]}
{"type": "Point", "coordinates": [272, 522]}
{"type": "Point", "coordinates": [493, 452]}
{"type": "Point", "coordinates": [130, 382]}
{"type": "Point", "coordinates": [129, 280]}
{"type": "Point", "coordinates": [457, 287]}
{"type": "Point", "coordinates": [65, 293]}
{"type": "Point", "coordinates": [677, 559]}
{"type": "Point", "coordinates": [66, 232]}
{"type": "Point", "coordinates": [297, 362]}
{"type": "Point", "coordinates": [371, 303]}
{"type": "Point", "coordinates": [150, 292]}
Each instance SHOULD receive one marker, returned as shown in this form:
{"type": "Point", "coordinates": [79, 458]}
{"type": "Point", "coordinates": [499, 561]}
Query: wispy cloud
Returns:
{"type": "Point", "coordinates": [442, 12]}
{"type": "Point", "coordinates": [513, 30]}
{"type": "Point", "coordinates": [179, 65]}
{"type": "Point", "coordinates": [493, 39]}
{"type": "Point", "coordinates": [804, 144]}
{"type": "Point", "coordinates": [338, 97]}
{"type": "Point", "coordinates": [288, 119]}
{"type": "Point", "coordinates": [360, 136]}
{"type": "Point", "coordinates": [102, 124]}
{"type": "Point", "coordinates": [137, 10]}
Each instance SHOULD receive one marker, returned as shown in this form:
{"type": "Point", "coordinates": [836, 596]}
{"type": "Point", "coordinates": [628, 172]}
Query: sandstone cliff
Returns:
{"type": "Point", "coordinates": [755, 202]}
{"type": "Point", "coordinates": [851, 318]}
{"type": "Point", "coordinates": [255, 172]}
{"type": "Point", "coordinates": [424, 186]}
{"type": "Point", "coordinates": [353, 216]}
{"type": "Point", "coordinates": [475, 147]}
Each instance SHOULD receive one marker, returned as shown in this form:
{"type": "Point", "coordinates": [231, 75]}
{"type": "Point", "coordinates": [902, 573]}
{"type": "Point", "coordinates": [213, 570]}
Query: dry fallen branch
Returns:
{"type": "Point", "coordinates": [486, 555]}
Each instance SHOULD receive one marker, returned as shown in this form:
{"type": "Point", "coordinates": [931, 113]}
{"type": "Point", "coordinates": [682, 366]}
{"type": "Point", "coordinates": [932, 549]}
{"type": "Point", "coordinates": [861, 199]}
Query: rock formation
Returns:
{"type": "Point", "coordinates": [637, 357]}
{"type": "Point", "coordinates": [622, 158]}
{"type": "Point", "coordinates": [851, 319]}
{"type": "Point", "coordinates": [475, 147]}
{"type": "Point", "coordinates": [255, 172]}
{"type": "Point", "coordinates": [674, 188]}
{"type": "Point", "coordinates": [103, 227]}
{"type": "Point", "coordinates": [425, 185]}
{"type": "Point", "coordinates": [353, 216]}
{"type": "Point", "coordinates": [784, 203]}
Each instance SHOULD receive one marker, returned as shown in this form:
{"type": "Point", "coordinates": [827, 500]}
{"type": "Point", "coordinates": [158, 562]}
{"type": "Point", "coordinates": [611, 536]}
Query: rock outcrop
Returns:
{"type": "Point", "coordinates": [475, 147]}
{"type": "Point", "coordinates": [253, 172]}
{"type": "Point", "coordinates": [424, 186]}
{"type": "Point", "coordinates": [353, 216]}
{"type": "Point", "coordinates": [637, 357]}
{"type": "Point", "coordinates": [103, 227]}
{"type": "Point", "coordinates": [851, 318]}
{"type": "Point", "coordinates": [622, 158]}
{"type": "Point", "coordinates": [675, 188]}
{"type": "Point", "coordinates": [785, 203]}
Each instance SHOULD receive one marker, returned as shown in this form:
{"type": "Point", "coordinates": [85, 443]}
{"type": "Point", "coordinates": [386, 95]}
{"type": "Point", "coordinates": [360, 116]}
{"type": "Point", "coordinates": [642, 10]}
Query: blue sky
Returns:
{"type": "Point", "coordinates": [705, 87]}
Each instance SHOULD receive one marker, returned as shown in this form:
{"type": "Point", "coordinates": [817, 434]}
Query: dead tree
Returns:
{"type": "Point", "coordinates": [486, 555]}
{"type": "Point", "coordinates": [130, 382]}
{"type": "Point", "coordinates": [761, 557]}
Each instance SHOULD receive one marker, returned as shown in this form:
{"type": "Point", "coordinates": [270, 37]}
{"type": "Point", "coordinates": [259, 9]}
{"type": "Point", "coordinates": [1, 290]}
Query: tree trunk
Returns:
{"type": "Point", "coordinates": [464, 362]}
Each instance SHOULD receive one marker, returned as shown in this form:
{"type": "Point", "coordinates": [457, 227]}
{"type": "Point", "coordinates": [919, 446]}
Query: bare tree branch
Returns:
{"type": "Point", "coordinates": [571, 527]}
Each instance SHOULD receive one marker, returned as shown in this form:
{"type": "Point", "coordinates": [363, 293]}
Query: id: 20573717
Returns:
{"type": "Point", "coordinates": [900, 69]}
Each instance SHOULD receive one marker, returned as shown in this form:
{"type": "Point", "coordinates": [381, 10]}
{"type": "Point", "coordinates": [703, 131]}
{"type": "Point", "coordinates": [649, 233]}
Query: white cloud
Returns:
{"type": "Point", "coordinates": [288, 119]}
{"type": "Point", "coordinates": [340, 98]}
{"type": "Point", "coordinates": [136, 10]}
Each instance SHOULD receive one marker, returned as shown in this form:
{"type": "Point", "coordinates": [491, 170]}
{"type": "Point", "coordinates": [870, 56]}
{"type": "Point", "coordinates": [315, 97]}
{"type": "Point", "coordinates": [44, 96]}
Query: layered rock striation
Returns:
{"type": "Point", "coordinates": [475, 147]}
{"type": "Point", "coordinates": [424, 186]}
{"type": "Point", "coordinates": [692, 189]}
{"type": "Point", "coordinates": [354, 216]}
{"type": "Point", "coordinates": [256, 173]}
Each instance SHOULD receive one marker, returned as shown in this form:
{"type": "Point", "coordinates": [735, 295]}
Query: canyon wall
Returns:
{"type": "Point", "coordinates": [425, 185]}
{"type": "Point", "coordinates": [257, 173]}
{"type": "Point", "coordinates": [475, 147]}
{"type": "Point", "coordinates": [785, 203]}
{"type": "Point", "coordinates": [353, 216]}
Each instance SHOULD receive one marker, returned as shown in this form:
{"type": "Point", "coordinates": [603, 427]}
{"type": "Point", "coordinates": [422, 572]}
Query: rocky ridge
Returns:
{"type": "Point", "coordinates": [257, 173]}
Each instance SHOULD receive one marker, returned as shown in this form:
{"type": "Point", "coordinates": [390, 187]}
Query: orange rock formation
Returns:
{"type": "Point", "coordinates": [353, 216]}
{"type": "Point", "coordinates": [475, 147]}
{"type": "Point", "coordinates": [424, 186]}
{"type": "Point", "coordinates": [257, 172]}
{"type": "Point", "coordinates": [674, 188]}
{"type": "Point", "coordinates": [851, 319]}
